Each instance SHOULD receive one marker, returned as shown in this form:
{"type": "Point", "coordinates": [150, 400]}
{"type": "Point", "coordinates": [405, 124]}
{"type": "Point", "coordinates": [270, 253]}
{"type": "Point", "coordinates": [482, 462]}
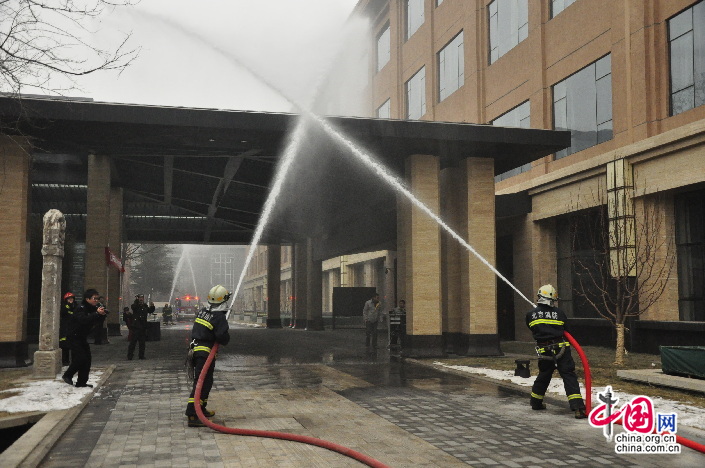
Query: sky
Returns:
{"type": "Point", "coordinates": [289, 42]}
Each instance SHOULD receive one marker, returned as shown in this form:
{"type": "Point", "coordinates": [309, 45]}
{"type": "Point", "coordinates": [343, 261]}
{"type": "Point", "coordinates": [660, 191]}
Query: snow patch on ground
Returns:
{"type": "Point", "coordinates": [46, 395]}
{"type": "Point", "coordinates": [687, 415]}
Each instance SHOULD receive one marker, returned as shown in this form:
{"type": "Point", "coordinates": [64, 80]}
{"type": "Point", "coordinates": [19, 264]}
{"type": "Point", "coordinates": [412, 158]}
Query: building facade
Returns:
{"type": "Point", "coordinates": [628, 80]}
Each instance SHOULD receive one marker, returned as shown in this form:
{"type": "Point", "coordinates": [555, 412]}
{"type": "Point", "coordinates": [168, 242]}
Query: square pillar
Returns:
{"type": "Point", "coordinates": [451, 250]}
{"type": "Point", "coordinates": [479, 283]}
{"type": "Point", "coordinates": [274, 273]}
{"type": "Point", "coordinates": [314, 290]}
{"type": "Point", "coordinates": [114, 276]}
{"type": "Point", "coordinates": [421, 240]}
{"type": "Point", "coordinates": [298, 315]}
{"type": "Point", "coordinates": [14, 251]}
{"type": "Point", "coordinates": [97, 223]}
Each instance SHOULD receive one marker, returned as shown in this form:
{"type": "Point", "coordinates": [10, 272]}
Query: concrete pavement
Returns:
{"type": "Point", "coordinates": [325, 385]}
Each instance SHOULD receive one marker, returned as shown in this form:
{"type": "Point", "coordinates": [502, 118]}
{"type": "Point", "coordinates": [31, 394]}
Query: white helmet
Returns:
{"type": "Point", "coordinates": [218, 294]}
{"type": "Point", "coordinates": [547, 294]}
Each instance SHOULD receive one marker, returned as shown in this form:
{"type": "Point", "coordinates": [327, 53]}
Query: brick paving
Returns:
{"type": "Point", "coordinates": [325, 385]}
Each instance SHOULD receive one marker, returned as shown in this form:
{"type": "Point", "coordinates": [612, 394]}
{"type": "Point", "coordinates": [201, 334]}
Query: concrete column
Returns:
{"type": "Point", "coordinates": [421, 239]}
{"type": "Point", "coordinates": [97, 223]}
{"type": "Point", "coordinates": [300, 281]}
{"type": "Point", "coordinates": [14, 251]}
{"type": "Point", "coordinates": [402, 228]}
{"type": "Point", "coordinates": [451, 185]}
{"type": "Point", "coordinates": [114, 276]}
{"type": "Point", "coordinates": [478, 283]}
{"type": "Point", "coordinates": [47, 361]}
{"type": "Point", "coordinates": [274, 273]}
{"type": "Point", "coordinates": [390, 295]}
{"type": "Point", "coordinates": [523, 277]}
{"type": "Point", "coordinates": [314, 290]}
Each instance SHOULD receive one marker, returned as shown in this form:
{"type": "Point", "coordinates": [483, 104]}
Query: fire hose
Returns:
{"type": "Point", "coordinates": [588, 394]}
{"type": "Point", "coordinates": [367, 460]}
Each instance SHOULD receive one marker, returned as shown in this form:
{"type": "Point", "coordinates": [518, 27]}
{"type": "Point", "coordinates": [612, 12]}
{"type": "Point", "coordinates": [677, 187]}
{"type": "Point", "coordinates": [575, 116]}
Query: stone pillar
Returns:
{"type": "Point", "coordinates": [451, 250]}
{"type": "Point", "coordinates": [479, 283]}
{"type": "Point", "coordinates": [97, 223]}
{"type": "Point", "coordinates": [47, 361]}
{"type": "Point", "coordinates": [314, 290]}
{"type": "Point", "coordinates": [114, 275]}
{"type": "Point", "coordinates": [300, 280]}
{"type": "Point", "coordinates": [14, 251]}
{"type": "Point", "coordinates": [274, 274]}
{"type": "Point", "coordinates": [421, 239]}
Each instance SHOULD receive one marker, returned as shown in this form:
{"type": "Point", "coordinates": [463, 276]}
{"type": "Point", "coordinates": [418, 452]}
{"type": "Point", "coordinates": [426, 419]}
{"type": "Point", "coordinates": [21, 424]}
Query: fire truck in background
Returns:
{"type": "Point", "coordinates": [186, 306]}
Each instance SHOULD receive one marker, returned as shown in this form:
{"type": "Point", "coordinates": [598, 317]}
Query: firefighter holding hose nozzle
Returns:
{"type": "Point", "coordinates": [547, 323]}
{"type": "Point", "coordinates": [209, 327]}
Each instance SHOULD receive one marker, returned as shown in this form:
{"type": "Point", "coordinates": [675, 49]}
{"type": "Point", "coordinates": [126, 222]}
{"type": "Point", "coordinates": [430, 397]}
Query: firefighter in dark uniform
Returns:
{"type": "Point", "coordinates": [140, 314]}
{"type": "Point", "coordinates": [209, 327]}
{"type": "Point", "coordinates": [80, 325]}
{"type": "Point", "coordinates": [547, 324]}
{"type": "Point", "coordinates": [68, 305]}
{"type": "Point", "coordinates": [167, 316]}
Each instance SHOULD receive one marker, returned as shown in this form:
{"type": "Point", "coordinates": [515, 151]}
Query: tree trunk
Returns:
{"type": "Point", "coordinates": [619, 351]}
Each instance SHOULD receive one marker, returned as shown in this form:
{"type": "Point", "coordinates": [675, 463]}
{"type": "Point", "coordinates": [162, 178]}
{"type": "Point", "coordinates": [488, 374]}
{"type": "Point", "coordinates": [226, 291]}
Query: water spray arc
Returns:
{"type": "Point", "coordinates": [365, 158]}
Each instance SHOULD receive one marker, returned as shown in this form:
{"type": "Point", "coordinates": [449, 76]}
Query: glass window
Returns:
{"type": "Point", "coordinates": [559, 5]}
{"type": "Point", "coordinates": [451, 67]}
{"type": "Point", "coordinates": [414, 16]}
{"type": "Point", "coordinates": [438, 2]}
{"type": "Point", "coordinates": [383, 48]}
{"type": "Point", "coordinates": [517, 117]}
{"type": "Point", "coordinates": [509, 25]}
{"type": "Point", "coordinates": [686, 35]}
{"type": "Point", "coordinates": [384, 111]}
{"type": "Point", "coordinates": [416, 95]}
{"type": "Point", "coordinates": [582, 103]}
{"type": "Point", "coordinates": [690, 245]}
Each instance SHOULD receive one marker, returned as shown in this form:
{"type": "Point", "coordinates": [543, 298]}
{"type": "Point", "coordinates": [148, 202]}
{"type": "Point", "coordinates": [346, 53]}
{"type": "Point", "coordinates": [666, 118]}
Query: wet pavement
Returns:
{"type": "Point", "coordinates": [325, 385]}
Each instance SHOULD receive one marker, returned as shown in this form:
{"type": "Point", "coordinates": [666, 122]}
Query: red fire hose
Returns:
{"type": "Point", "coordinates": [369, 461]}
{"type": "Point", "coordinates": [588, 393]}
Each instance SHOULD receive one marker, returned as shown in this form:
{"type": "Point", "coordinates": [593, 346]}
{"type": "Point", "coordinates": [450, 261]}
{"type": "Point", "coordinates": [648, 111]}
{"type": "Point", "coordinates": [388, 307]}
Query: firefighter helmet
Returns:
{"type": "Point", "coordinates": [69, 294]}
{"type": "Point", "coordinates": [218, 294]}
{"type": "Point", "coordinates": [547, 294]}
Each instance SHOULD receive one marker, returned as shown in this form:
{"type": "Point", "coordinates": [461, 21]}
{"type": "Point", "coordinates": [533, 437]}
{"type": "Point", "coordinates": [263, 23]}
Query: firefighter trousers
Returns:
{"type": "Point", "coordinates": [566, 369]}
{"type": "Point", "coordinates": [199, 361]}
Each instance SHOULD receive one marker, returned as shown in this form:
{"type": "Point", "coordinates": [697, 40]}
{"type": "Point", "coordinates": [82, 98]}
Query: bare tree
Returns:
{"type": "Point", "coordinates": [44, 39]}
{"type": "Point", "coordinates": [621, 261]}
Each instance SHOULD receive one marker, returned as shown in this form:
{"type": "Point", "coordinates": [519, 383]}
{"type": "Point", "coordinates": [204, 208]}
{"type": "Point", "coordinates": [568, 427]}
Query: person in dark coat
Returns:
{"type": "Point", "coordinates": [547, 324]}
{"type": "Point", "coordinates": [68, 305]}
{"type": "Point", "coordinates": [140, 314]}
{"type": "Point", "coordinates": [80, 325]}
{"type": "Point", "coordinates": [209, 327]}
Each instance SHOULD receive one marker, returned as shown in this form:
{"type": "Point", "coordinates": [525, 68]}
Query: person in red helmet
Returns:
{"type": "Point", "coordinates": [68, 305]}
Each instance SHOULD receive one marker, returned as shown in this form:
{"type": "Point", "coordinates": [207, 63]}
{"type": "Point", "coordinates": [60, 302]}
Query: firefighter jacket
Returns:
{"type": "Point", "coordinates": [546, 323]}
{"type": "Point", "coordinates": [140, 314]}
{"type": "Point", "coordinates": [82, 320]}
{"type": "Point", "coordinates": [209, 327]}
{"type": "Point", "coordinates": [65, 314]}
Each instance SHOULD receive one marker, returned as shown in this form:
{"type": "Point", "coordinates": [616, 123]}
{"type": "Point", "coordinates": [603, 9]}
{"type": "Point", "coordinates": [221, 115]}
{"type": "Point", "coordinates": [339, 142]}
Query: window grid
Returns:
{"type": "Point", "coordinates": [414, 16]}
{"type": "Point", "coordinates": [416, 95]}
{"type": "Point", "coordinates": [384, 111]}
{"type": "Point", "coordinates": [686, 33]}
{"type": "Point", "coordinates": [582, 103]}
{"type": "Point", "coordinates": [520, 117]}
{"type": "Point", "coordinates": [451, 67]}
{"type": "Point", "coordinates": [383, 48]}
{"type": "Point", "coordinates": [508, 26]}
{"type": "Point", "coordinates": [558, 6]}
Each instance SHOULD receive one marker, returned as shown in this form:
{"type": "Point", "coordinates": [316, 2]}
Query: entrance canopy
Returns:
{"type": "Point", "coordinates": [202, 175]}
